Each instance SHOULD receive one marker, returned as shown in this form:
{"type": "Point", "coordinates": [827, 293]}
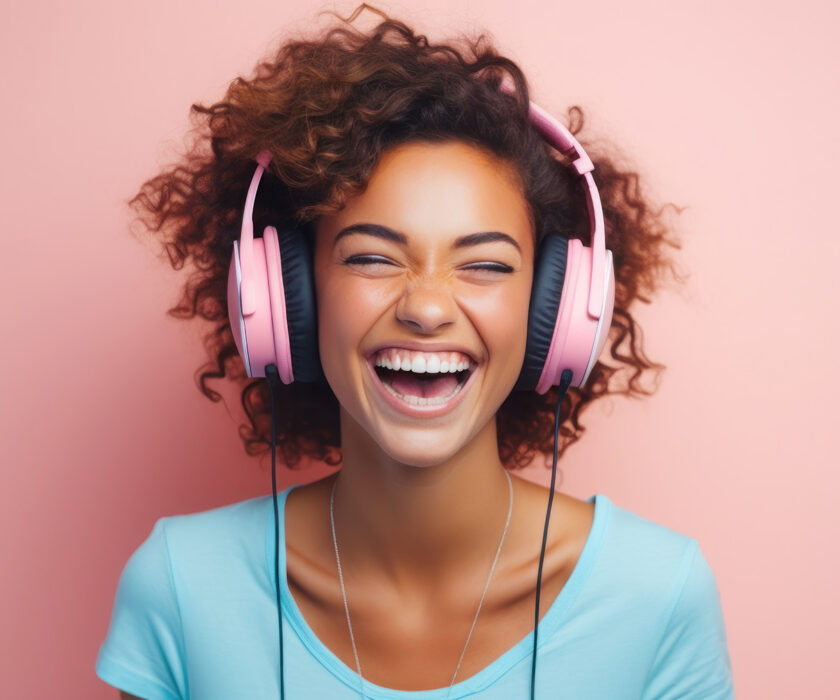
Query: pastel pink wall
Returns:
{"type": "Point", "coordinates": [728, 107]}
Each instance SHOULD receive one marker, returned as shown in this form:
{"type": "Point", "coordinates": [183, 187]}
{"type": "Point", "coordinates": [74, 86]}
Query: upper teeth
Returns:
{"type": "Point", "coordinates": [422, 362]}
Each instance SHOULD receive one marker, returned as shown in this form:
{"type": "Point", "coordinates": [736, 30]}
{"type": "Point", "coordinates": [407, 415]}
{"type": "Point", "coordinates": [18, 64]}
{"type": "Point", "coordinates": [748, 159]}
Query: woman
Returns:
{"type": "Point", "coordinates": [409, 186]}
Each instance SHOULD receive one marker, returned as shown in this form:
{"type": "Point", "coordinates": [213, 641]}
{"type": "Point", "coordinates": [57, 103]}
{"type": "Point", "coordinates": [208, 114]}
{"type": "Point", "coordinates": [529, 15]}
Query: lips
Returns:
{"type": "Point", "coordinates": [418, 411]}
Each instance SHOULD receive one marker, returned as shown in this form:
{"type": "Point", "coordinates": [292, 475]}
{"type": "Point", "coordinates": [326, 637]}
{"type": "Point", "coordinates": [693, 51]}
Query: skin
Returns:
{"type": "Point", "coordinates": [420, 504]}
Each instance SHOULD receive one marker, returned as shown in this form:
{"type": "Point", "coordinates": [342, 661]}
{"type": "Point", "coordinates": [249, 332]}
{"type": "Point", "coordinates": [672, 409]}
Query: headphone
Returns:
{"type": "Point", "coordinates": [273, 314]}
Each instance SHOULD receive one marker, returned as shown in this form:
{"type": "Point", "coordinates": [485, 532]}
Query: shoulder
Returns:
{"type": "Point", "coordinates": [201, 530]}
{"type": "Point", "coordinates": [667, 572]}
{"type": "Point", "coordinates": [221, 520]}
{"type": "Point", "coordinates": [639, 569]}
{"type": "Point", "coordinates": [633, 551]}
{"type": "Point", "coordinates": [637, 572]}
{"type": "Point", "coordinates": [628, 538]}
{"type": "Point", "coordinates": [629, 524]}
{"type": "Point", "coordinates": [189, 543]}
{"type": "Point", "coordinates": [648, 553]}
{"type": "Point", "coordinates": [663, 559]}
{"type": "Point", "coordinates": [220, 543]}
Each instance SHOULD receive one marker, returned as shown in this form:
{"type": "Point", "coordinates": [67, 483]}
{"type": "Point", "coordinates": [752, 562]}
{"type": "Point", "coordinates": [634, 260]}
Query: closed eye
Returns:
{"type": "Point", "coordinates": [377, 260]}
{"type": "Point", "coordinates": [366, 260]}
{"type": "Point", "coordinates": [491, 267]}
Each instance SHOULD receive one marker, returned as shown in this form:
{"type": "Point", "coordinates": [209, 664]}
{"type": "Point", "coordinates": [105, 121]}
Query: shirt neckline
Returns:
{"type": "Point", "coordinates": [548, 625]}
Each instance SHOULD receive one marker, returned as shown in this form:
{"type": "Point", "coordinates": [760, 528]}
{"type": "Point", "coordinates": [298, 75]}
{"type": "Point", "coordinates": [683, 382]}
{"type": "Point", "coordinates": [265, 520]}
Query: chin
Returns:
{"type": "Point", "coordinates": [424, 451]}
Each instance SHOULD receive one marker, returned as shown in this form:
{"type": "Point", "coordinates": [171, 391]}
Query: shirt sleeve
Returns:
{"type": "Point", "coordinates": [692, 660]}
{"type": "Point", "coordinates": [144, 649]}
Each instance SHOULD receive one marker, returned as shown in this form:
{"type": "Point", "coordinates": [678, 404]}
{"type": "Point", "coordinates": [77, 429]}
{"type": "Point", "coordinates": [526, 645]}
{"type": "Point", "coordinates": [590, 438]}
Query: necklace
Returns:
{"type": "Point", "coordinates": [344, 594]}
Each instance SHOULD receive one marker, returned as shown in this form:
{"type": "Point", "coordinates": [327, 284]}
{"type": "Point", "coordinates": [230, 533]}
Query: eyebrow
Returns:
{"type": "Point", "coordinates": [390, 234]}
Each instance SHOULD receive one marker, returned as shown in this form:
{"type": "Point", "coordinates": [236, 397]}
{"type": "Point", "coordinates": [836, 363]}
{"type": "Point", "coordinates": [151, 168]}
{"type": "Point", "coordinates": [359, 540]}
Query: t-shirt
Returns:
{"type": "Point", "coordinates": [195, 616]}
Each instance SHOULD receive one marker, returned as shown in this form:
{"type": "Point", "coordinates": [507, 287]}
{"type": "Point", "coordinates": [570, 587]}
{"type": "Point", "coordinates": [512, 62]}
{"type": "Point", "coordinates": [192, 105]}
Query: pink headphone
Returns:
{"type": "Point", "coordinates": [271, 294]}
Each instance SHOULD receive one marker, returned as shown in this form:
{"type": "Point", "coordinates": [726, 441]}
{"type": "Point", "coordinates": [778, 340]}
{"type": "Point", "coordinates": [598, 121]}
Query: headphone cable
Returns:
{"type": "Point", "coordinates": [273, 378]}
{"type": "Point", "coordinates": [565, 381]}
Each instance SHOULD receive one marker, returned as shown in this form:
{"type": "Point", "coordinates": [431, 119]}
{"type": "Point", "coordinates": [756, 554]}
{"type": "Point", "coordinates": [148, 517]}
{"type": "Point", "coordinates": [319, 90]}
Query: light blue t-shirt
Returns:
{"type": "Point", "coordinates": [195, 617]}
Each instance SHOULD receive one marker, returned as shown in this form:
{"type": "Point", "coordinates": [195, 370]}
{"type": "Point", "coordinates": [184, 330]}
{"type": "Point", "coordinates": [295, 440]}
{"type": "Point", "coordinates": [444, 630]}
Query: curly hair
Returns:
{"type": "Point", "coordinates": [328, 108]}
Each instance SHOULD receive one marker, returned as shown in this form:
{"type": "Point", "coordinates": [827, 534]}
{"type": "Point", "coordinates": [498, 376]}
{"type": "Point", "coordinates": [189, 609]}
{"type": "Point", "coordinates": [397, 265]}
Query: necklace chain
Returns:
{"type": "Point", "coordinates": [481, 602]}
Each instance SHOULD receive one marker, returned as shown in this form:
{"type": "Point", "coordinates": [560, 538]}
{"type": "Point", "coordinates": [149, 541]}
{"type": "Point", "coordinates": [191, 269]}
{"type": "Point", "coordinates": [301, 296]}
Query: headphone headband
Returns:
{"type": "Point", "coordinates": [553, 131]}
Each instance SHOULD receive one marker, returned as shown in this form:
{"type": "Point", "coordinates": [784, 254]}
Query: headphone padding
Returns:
{"type": "Point", "coordinates": [301, 310]}
{"type": "Point", "coordinates": [547, 286]}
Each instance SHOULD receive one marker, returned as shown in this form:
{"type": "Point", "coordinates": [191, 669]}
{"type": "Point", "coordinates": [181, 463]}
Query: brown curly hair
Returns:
{"type": "Point", "coordinates": [328, 108]}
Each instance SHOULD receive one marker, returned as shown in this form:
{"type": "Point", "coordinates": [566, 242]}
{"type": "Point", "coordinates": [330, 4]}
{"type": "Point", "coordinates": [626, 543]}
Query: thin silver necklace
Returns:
{"type": "Point", "coordinates": [344, 594]}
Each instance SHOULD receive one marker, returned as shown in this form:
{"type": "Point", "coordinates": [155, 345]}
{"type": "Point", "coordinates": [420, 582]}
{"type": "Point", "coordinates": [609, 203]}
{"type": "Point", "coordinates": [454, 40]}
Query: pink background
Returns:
{"type": "Point", "coordinates": [728, 107]}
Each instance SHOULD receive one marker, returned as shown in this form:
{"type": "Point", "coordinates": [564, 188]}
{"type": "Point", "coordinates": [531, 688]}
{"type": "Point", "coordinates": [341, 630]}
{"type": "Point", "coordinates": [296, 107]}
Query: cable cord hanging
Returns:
{"type": "Point", "coordinates": [273, 378]}
{"type": "Point", "coordinates": [565, 381]}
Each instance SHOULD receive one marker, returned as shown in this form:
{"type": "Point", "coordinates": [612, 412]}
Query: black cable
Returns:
{"type": "Point", "coordinates": [565, 381]}
{"type": "Point", "coordinates": [273, 379]}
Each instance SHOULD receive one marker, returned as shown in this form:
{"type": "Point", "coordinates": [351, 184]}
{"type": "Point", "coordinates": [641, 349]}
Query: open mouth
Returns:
{"type": "Point", "coordinates": [425, 388]}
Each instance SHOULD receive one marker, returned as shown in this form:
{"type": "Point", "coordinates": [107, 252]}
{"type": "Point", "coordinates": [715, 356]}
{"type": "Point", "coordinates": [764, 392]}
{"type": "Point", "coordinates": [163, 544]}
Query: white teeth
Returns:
{"type": "Point", "coordinates": [431, 364]}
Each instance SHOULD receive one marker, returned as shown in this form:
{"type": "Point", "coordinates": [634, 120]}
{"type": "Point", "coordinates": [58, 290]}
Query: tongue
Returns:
{"type": "Point", "coordinates": [408, 384]}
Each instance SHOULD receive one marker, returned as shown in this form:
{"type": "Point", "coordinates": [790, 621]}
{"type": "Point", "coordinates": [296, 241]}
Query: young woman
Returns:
{"type": "Point", "coordinates": [424, 243]}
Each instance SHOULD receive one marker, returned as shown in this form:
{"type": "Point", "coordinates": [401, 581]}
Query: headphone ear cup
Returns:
{"type": "Point", "coordinates": [283, 330]}
{"type": "Point", "coordinates": [294, 261]}
{"type": "Point", "coordinates": [561, 333]}
{"type": "Point", "coordinates": [546, 291]}
{"type": "Point", "coordinates": [253, 333]}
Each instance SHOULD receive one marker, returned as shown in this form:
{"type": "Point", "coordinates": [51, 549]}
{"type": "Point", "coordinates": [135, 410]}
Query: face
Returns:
{"type": "Point", "coordinates": [401, 275]}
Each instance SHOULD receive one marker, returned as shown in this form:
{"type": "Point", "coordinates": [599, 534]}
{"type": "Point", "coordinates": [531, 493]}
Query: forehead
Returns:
{"type": "Point", "coordinates": [440, 190]}
{"type": "Point", "coordinates": [456, 158]}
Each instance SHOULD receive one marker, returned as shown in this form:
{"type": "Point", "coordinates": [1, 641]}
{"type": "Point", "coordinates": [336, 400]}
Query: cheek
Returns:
{"type": "Point", "coordinates": [500, 315]}
{"type": "Point", "coordinates": [346, 312]}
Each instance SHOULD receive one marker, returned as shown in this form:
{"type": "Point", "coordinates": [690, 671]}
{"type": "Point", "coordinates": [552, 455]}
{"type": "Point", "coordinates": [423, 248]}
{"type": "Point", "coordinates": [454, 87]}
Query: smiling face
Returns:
{"type": "Point", "coordinates": [400, 269]}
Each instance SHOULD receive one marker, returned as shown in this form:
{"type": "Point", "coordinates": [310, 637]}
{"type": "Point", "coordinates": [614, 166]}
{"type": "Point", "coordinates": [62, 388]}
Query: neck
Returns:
{"type": "Point", "coordinates": [420, 527]}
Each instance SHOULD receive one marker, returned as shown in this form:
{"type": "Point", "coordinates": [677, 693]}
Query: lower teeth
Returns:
{"type": "Point", "coordinates": [421, 401]}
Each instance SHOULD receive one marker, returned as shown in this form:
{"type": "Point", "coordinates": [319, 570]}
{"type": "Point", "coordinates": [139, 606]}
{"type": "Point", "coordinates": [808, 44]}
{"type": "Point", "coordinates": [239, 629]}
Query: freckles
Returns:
{"type": "Point", "coordinates": [348, 310]}
{"type": "Point", "coordinates": [497, 303]}
{"type": "Point", "coordinates": [370, 298]}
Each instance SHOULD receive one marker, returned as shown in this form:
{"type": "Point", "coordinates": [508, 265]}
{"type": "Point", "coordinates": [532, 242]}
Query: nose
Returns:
{"type": "Point", "coordinates": [426, 305]}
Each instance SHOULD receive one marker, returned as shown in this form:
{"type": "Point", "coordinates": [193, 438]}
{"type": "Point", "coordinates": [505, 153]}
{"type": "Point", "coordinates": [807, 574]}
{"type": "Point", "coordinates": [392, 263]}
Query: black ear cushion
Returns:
{"type": "Point", "coordinates": [301, 311]}
{"type": "Point", "coordinates": [547, 286]}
